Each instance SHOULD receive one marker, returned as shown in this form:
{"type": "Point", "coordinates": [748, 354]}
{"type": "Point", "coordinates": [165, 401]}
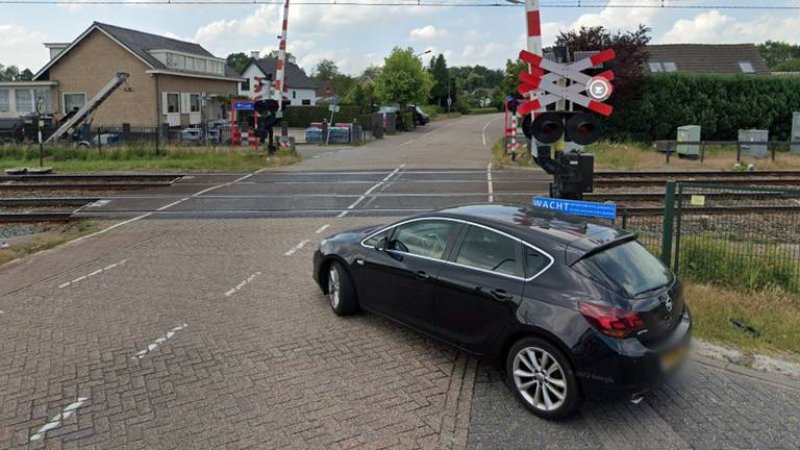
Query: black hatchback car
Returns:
{"type": "Point", "coordinates": [571, 309]}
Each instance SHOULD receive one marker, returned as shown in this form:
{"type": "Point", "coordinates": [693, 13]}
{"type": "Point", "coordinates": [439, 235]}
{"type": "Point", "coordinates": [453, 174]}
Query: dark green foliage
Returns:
{"type": "Point", "coordinates": [237, 61]}
{"type": "Point", "coordinates": [302, 116]}
{"type": "Point", "coordinates": [721, 105]}
{"type": "Point", "coordinates": [441, 82]}
{"type": "Point", "coordinates": [12, 73]}
{"type": "Point", "coordinates": [711, 261]}
{"type": "Point", "coordinates": [792, 65]}
{"type": "Point", "coordinates": [777, 52]}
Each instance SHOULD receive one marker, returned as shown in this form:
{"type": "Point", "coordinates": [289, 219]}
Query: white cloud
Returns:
{"type": "Point", "coordinates": [426, 33]}
{"type": "Point", "coordinates": [716, 27]}
{"type": "Point", "coordinates": [614, 17]}
{"type": "Point", "coordinates": [22, 47]}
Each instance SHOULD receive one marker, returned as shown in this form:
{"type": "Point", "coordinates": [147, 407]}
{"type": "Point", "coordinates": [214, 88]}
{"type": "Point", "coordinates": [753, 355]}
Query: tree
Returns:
{"type": "Point", "coordinates": [403, 80]}
{"type": "Point", "coordinates": [274, 55]}
{"type": "Point", "coordinates": [326, 70]}
{"type": "Point", "coordinates": [777, 52]}
{"type": "Point", "coordinates": [441, 81]}
{"type": "Point", "coordinates": [237, 61]}
{"type": "Point", "coordinates": [630, 48]}
{"type": "Point", "coordinates": [371, 72]}
{"type": "Point", "coordinates": [792, 65]}
{"type": "Point", "coordinates": [26, 75]}
{"type": "Point", "coordinates": [511, 77]}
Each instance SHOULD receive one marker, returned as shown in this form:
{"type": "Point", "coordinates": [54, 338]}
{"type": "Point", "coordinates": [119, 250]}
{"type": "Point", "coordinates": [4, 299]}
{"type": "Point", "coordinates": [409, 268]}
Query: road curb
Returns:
{"type": "Point", "coordinates": [780, 380]}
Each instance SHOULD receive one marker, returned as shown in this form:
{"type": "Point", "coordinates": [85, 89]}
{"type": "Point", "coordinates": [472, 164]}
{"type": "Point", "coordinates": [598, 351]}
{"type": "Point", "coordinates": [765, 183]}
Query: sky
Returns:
{"type": "Point", "coordinates": [356, 37]}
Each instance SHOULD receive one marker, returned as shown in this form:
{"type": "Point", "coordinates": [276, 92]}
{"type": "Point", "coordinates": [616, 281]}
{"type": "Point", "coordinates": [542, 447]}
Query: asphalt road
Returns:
{"type": "Point", "coordinates": [205, 331]}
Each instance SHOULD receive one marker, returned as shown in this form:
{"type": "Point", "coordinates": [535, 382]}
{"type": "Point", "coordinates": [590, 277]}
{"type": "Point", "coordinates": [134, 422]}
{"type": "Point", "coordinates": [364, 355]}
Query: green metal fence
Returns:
{"type": "Point", "coordinates": [746, 238]}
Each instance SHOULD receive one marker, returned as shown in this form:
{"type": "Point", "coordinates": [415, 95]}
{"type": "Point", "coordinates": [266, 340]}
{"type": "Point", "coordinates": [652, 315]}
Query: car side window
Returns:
{"type": "Point", "coordinates": [373, 241]}
{"type": "Point", "coordinates": [423, 238]}
{"type": "Point", "coordinates": [535, 261]}
{"type": "Point", "coordinates": [489, 250]}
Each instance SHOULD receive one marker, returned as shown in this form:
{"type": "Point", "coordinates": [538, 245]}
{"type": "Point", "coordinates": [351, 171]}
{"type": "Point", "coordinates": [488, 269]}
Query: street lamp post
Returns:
{"type": "Point", "coordinates": [423, 53]}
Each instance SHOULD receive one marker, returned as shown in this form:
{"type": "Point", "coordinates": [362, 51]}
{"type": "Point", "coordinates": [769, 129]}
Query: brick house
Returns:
{"type": "Point", "coordinates": [167, 78]}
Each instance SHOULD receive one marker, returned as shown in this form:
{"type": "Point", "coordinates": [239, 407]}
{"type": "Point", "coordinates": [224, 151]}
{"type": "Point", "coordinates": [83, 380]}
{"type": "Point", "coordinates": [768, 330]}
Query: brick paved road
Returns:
{"type": "Point", "coordinates": [203, 334]}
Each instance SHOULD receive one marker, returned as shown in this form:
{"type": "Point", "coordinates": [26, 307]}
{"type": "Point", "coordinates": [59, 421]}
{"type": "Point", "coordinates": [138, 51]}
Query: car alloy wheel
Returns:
{"type": "Point", "coordinates": [539, 379]}
{"type": "Point", "coordinates": [334, 287]}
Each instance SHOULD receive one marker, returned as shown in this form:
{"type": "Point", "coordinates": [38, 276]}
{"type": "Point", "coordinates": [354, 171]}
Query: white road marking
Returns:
{"type": "Point", "coordinates": [99, 203]}
{"type": "Point", "coordinates": [489, 182]}
{"type": "Point", "coordinates": [159, 341]}
{"type": "Point", "coordinates": [146, 215]}
{"type": "Point", "coordinates": [56, 421]}
{"type": "Point", "coordinates": [242, 284]}
{"type": "Point", "coordinates": [322, 228]}
{"type": "Point", "coordinates": [296, 248]}
{"type": "Point", "coordinates": [369, 191]}
{"type": "Point", "coordinates": [483, 133]}
{"type": "Point", "coordinates": [96, 272]}
{"type": "Point", "coordinates": [407, 143]}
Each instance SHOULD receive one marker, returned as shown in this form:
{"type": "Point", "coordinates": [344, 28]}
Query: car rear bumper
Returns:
{"type": "Point", "coordinates": [609, 368]}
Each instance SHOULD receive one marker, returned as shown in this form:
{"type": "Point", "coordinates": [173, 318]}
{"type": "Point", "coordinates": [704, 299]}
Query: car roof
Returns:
{"type": "Point", "coordinates": [539, 226]}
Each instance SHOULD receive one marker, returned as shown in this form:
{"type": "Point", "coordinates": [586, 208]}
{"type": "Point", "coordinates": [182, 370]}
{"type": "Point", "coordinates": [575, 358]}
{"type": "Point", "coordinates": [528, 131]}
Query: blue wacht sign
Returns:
{"type": "Point", "coordinates": [243, 106]}
{"type": "Point", "coordinates": [577, 208]}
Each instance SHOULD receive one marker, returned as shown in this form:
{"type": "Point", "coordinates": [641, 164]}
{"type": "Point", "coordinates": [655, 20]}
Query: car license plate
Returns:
{"type": "Point", "coordinates": [671, 358]}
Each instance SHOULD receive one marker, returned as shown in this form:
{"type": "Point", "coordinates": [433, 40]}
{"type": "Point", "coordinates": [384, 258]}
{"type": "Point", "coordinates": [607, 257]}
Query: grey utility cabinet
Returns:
{"type": "Point", "coordinates": [796, 133]}
{"type": "Point", "coordinates": [747, 139]}
{"type": "Point", "coordinates": [689, 133]}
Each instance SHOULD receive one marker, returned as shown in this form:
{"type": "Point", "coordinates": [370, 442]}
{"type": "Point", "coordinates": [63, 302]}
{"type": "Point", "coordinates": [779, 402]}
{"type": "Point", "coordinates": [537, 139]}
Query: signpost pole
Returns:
{"type": "Point", "coordinates": [40, 109]}
{"type": "Point", "coordinates": [280, 68]}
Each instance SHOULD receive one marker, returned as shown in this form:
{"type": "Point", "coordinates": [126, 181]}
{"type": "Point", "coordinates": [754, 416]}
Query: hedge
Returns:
{"type": "Point", "coordinates": [302, 116]}
{"type": "Point", "coordinates": [721, 105]}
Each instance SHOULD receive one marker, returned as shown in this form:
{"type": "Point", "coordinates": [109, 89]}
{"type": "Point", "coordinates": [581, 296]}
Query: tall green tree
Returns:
{"type": "Point", "coordinates": [326, 70]}
{"type": "Point", "coordinates": [441, 81]}
{"type": "Point", "coordinates": [402, 79]}
{"type": "Point", "coordinates": [26, 75]}
{"type": "Point", "coordinates": [792, 65]}
{"type": "Point", "coordinates": [237, 61]}
{"type": "Point", "coordinates": [778, 52]}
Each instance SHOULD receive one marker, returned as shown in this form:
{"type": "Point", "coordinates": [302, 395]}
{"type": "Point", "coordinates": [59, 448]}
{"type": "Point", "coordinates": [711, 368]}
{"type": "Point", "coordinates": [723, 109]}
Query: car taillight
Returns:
{"type": "Point", "coordinates": [610, 321]}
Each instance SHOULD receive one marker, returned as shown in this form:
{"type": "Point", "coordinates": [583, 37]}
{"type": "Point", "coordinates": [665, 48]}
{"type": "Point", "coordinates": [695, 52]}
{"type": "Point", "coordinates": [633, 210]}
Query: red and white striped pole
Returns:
{"type": "Point", "coordinates": [280, 72]}
{"type": "Point", "coordinates": [534, 22]}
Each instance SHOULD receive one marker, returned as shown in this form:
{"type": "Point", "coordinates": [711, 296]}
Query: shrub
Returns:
{"type": "Point", "coordinates": [721, 105]}
{"type": "Point", "coordinates": [750, 267]}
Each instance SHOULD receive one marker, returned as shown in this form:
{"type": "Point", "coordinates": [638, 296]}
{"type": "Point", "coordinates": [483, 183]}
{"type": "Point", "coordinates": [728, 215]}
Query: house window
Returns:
{"type": "Point", "coordinates": [655, 67]}
{"type": "Point", "coordinates": [194, 103]}
{"type": "Point", "coordinates": [44, 94]}
{"type": "Point", "coordinates": [306, 102]}
{"type": "Point", "coordinates": [246, 85]}
{"type": "Point", "coordinates": [5, 103]}
{"type": "Point", "coordinates": [294, 94]}
{"type": "Point", "coordinates": [173, 103]}
{"type": "Point", "coordinates": [670, 66]}
{"type": "Point", "coordinates": [24, 100]}
{"type": "Point", "coordinates": [73, 102]}
{"type": "Point", "coordinates": [747, 67]}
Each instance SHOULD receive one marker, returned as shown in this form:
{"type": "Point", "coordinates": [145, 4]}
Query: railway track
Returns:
{"type": "Point", "coordinates": [708, 210]}
{"type": "Point", "coordinates": [660, 181]}
{"type": "Point", "coordinates": [85, 182]}
{"type": "Point", "coordinates": [695, 173]}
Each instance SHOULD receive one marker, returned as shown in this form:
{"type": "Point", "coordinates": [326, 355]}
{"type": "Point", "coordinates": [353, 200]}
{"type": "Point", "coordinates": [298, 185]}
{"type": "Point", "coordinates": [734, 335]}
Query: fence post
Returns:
{"type": "Point", "coordinates": [99, 141]}
{"type": "Point", "coordinates": [738, 151]}
{"type": "Point", "coordinates": [676, 262]}
{"type": "Point", "coordinates": [669, 222]}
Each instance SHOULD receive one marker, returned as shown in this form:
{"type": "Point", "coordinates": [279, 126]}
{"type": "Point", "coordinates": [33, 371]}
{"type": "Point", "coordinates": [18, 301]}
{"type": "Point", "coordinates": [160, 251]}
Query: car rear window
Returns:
{"type": "Point", "coordinates": [627, 267]}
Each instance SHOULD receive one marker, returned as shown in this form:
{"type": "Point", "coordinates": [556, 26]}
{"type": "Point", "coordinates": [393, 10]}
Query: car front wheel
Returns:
{"type": "Point", "coordinates": [542, 378]}
{"type": "Point", "coordinates": [341, 292]}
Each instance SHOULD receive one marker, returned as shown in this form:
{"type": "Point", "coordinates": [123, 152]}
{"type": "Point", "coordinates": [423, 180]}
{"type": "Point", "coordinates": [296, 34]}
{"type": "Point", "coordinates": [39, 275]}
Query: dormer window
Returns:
{"type": "Point", "coordinates": [190, 63]}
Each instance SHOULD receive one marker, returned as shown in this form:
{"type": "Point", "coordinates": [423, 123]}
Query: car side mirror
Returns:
{"type": "Point", "coordinates": [380, 245]}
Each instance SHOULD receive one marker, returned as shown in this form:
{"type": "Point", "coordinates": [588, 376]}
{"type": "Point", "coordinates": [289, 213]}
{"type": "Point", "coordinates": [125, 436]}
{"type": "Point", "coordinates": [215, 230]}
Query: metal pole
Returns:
{"type": "Point", "coordinates": [534, 32]}
{"type": "Point", "coordinates": [669, 221]}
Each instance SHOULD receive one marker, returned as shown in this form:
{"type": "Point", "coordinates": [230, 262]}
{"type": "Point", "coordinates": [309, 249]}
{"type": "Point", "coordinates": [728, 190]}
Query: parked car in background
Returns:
{"type": "Point", "coordinates": [569, 308]}
{"type": "Point", "coordinates": [420, 117]}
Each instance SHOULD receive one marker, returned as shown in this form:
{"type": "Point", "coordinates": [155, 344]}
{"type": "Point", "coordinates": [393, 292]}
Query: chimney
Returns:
{"type": "Point", "coordinates": [254, 54]}
{"type": "Point", "coordinates": [56, 48]}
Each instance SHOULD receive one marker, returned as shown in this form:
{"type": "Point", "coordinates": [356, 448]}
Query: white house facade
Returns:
{"type": "Point", "coordinates": [300, 89]}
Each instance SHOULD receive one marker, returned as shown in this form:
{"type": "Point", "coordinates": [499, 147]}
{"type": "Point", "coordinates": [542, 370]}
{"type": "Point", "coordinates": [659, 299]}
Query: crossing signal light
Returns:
{"type": "Point", "coordinates": [550, 127]}
{"type": "Point", "coordinates": [583, 129]}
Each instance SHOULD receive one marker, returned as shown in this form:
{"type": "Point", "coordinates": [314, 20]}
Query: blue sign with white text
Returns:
{"type": "Point", "coordinates": [577, 208]}
{"type": "Point", "coordinates": [243, 106]}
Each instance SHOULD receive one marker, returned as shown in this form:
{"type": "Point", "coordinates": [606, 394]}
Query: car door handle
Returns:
{"type": "Point", "coordinates": [422, 275]}
{"type": "Point", "coordinates": [501, 295]}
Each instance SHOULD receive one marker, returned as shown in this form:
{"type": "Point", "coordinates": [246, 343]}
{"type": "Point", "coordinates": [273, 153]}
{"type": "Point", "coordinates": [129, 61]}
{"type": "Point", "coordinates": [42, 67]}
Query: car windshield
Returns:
{"type": "Point", "coordinates": [628, 267]}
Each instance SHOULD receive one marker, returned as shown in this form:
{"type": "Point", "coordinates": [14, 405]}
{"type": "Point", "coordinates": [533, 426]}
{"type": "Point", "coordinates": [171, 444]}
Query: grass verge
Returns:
{"type": "Point", "coordinates": [70, 159]}
{"type": "Point", "coordinates": [34, 238]}
{"type": "Point", "coordinates": [774, 314]}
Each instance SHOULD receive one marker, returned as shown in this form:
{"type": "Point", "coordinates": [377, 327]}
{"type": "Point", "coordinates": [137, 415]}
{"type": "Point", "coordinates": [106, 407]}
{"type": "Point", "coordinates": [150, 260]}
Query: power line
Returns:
{"type": "Point", "coordinates": [575, 4]}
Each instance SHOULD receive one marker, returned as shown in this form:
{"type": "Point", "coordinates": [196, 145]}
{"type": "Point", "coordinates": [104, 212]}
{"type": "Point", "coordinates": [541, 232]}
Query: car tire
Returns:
{"type": "Point", "coordinates": [341, 293]}
{"type": "Point", "coordinates": [541, 377]}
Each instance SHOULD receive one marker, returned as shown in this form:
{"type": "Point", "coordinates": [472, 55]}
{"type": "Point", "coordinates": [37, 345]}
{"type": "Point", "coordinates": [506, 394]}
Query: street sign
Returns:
{"type": "Point", "coordinates": [335, 100]}
{"type": "Point", "coordinates": [449, 101]}
{"type": "Point", "coordinates": [549, 91]}
{"type": "Point", "coordinates": [243, 105]}
{"type": "Point", "coordinates": [577, 208]}
{"type": "Point", "coordinates": [334, 108]}
{"type": "Point", "coordinates": [599, 89]}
